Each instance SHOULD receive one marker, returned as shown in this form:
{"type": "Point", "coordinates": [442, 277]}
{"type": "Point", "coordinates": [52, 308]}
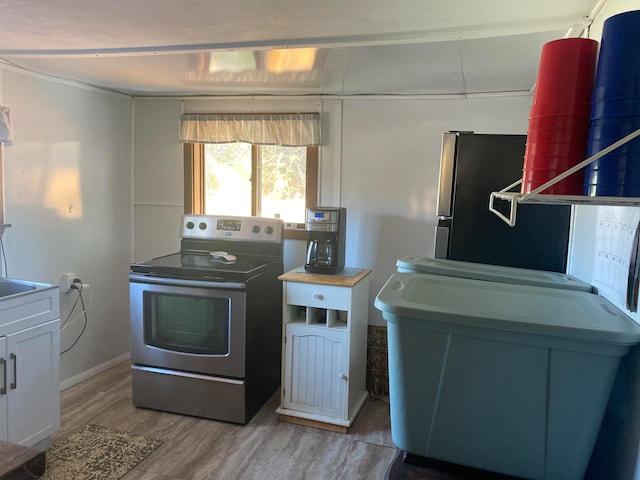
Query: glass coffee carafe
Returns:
{"type": "Point", "coordinates": [321, 252]}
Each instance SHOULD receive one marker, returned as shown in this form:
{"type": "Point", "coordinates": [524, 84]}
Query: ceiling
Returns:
{"type": "Point", "coordinates": [290, 47]}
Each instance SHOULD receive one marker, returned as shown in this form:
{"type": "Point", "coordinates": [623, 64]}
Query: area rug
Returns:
{"type": "Point", "coordinates": [97, 453]}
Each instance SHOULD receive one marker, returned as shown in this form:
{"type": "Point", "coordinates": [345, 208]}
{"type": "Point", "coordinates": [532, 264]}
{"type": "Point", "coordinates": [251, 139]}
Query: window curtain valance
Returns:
{"type": "Point", "coordinates": [286, 129]}
{"type": "Point", "coordinates": [6, 130]}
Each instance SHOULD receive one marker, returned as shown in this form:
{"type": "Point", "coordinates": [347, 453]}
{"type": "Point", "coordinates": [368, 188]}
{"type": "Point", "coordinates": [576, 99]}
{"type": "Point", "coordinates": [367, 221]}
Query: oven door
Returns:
{"type": "Point", "coordinates": [192, 326]}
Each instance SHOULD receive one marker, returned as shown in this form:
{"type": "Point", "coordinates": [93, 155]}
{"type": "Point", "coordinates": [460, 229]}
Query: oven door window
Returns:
{"type": "Point", "coordinates": [189, 324]}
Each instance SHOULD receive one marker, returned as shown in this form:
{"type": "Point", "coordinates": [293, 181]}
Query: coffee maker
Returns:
{"type": "Point", "coordinates": [326, 229]}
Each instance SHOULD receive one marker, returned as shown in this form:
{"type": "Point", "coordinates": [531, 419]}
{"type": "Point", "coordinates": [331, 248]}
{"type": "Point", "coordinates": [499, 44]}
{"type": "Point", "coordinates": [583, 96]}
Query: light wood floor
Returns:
{"type": "Point", "coordinates": [265, 448]}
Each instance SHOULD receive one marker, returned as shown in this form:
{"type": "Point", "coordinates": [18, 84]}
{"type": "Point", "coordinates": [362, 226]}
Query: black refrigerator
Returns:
{"type": "Point", "coordinates": [473, 166]}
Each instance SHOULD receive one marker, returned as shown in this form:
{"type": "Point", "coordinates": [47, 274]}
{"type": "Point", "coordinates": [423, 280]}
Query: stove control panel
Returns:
{"type": "Point", "coordinates": [255, 229]}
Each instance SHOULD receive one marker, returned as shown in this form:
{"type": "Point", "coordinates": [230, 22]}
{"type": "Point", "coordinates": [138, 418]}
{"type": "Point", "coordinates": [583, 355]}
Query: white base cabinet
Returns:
{"type": "Point", "coordinates": [29, 368]}
{"type": "Point", "coordinates": [324, 347]}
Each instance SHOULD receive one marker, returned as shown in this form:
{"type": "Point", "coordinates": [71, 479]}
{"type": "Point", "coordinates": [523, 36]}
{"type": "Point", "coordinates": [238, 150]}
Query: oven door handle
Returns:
{"type": "Point", "coordinates": [181, 282]}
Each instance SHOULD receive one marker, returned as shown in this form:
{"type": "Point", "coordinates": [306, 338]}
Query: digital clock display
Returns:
{"type": "Point", "coordinates": [229, 225]}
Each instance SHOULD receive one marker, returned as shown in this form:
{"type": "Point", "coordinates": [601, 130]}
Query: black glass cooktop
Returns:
{"type": "Point", "coordinates": [202, 266]}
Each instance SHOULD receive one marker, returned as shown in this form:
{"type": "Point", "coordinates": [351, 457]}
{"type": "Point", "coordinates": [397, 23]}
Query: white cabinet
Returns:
{"type": "Point", "coordinates": [324, 347]}
{"type": "Point", "coordinates": [29, 368]}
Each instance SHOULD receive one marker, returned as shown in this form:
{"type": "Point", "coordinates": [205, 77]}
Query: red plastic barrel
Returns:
{"type": "Point", "coordinates": [565, 77]}
{"type": "Point", "coordinates": [559, 121]}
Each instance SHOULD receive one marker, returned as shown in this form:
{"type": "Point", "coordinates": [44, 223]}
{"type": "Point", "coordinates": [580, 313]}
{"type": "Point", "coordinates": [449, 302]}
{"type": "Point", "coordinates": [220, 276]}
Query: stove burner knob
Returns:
{"type": "Point", "coordinates": [268, 230]}
{"type": "Point", "coordinates": [190, 225]}
{"type": "Point", "coordinates": [255, 229]}
{"type": "Point", "coordinates": [202, 226]}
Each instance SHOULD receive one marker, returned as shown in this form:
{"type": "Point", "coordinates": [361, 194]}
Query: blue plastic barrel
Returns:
{"type": "Point", "coordinates": [615, 109]}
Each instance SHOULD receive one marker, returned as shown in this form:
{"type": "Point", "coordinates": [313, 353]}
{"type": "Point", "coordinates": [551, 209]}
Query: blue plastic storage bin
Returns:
{"type": "Point", "coordinates": [513, 379]}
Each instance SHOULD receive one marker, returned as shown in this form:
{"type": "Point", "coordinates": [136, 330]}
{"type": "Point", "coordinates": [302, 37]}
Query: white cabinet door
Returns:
{"type": "Point", "coordinates": [33, 370]}
{"type": "Point", "coordinates": [3, 388]}
{"type": "Point", "coordinates": [316, 370]}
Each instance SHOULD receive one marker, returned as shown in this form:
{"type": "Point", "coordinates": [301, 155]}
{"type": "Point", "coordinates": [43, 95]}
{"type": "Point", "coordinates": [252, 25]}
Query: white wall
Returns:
{"type": "Point", "coordinates": [158, 179]}
{"type": "Point", "coordinates": [68, 198]}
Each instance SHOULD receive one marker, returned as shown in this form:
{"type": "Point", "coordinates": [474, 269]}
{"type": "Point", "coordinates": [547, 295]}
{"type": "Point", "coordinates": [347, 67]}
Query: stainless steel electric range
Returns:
{"type": "Point", "coordinates": [206, 321]}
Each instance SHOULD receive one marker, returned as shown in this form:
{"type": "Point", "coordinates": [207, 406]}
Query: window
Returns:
{"type": "Point", "coordinates": [244, 179]}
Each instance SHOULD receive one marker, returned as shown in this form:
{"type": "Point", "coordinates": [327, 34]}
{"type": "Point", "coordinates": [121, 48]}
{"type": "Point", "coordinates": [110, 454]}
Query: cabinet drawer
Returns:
{"type": "Point", "coordinates": [321, 296]}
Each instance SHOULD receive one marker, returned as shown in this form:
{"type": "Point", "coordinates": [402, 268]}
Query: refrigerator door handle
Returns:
{"type": "Point", "coordinates": [446, 181]}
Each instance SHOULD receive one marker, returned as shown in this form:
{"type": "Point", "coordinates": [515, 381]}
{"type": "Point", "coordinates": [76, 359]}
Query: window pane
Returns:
{"type": "Point", "coordinates": [227, 182]}
{"type": "Point", "coordinates": [283, 175]}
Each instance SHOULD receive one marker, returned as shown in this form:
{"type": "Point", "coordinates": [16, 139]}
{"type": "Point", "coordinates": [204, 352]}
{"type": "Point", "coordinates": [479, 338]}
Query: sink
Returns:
{"type": "Point", "coordinates": [10, 286]}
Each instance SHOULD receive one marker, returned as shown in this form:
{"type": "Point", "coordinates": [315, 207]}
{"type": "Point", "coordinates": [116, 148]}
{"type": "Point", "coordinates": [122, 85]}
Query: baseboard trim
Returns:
{"type": "Point", "coordinates": [70, 382]}
{"type": "Point", "coordinates": [305, 422]}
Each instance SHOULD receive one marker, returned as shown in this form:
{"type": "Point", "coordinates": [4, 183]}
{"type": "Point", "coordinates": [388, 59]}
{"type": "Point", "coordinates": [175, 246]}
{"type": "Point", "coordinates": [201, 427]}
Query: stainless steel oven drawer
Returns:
{"type": "Point", "coordinates": [319, 296]}
{"type": "Point", "coordinates": [189, 394]}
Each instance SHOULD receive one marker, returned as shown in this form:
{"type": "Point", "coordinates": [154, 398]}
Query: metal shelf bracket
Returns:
{"type": "Point", "coordinates": [514, 198]}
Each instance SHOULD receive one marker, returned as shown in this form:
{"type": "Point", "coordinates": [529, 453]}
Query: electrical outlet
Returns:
{"type": "Point", "coordinates": [66, 280]}
{"type": "Point", "coordinates": [77, 285]}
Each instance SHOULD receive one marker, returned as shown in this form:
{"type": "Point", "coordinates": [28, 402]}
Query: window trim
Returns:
{"type": "Point", "coordinates": [194, 184]}
{"type": "Point", "coordinates": [193, 179]}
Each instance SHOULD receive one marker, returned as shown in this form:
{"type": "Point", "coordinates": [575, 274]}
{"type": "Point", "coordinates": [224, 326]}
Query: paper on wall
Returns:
{"type": "Point", "coordinates": [615, 229]}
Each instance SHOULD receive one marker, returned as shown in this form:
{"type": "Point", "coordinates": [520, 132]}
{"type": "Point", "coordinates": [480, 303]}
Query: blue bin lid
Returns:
{"type": "Point", "coordinates": [491, 273]}
{"type": "Point", "coordinates": [500, 306]}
